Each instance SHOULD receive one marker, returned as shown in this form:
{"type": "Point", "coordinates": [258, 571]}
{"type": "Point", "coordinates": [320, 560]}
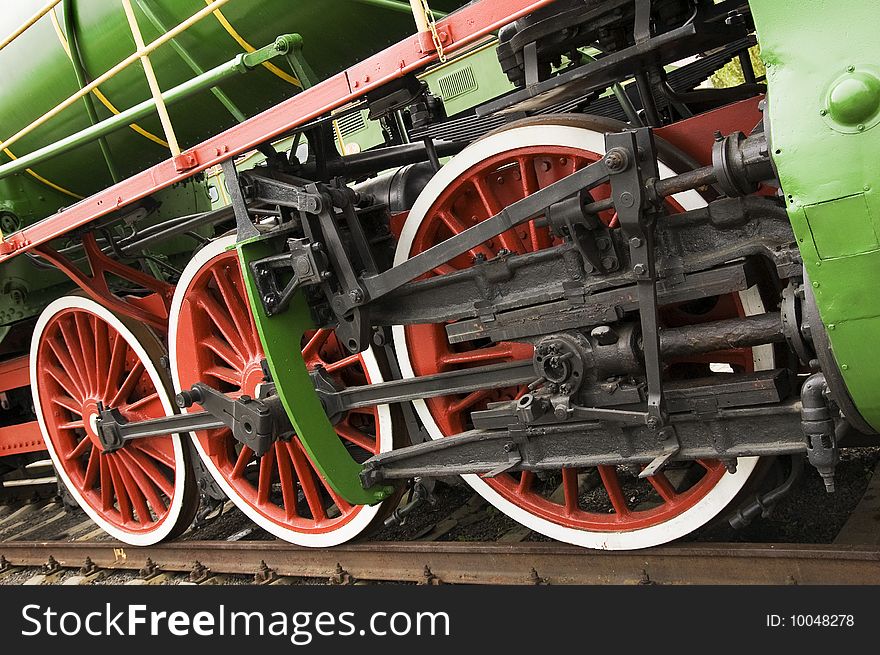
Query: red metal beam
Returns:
{"type": "Point", "coordinates": [15, 373]}
{"type": "Point", "coordinates": [459, 29]}
{"type": "Point", "coordinates": [20, 439]}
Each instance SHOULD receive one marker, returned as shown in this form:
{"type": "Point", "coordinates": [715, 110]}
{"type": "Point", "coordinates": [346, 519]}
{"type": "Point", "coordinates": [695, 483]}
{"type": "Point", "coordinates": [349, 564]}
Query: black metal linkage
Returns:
{"type": "Point", "coordinates": [466, 380]}
{"type": "Point", "coordinates": [633, 211]}
{"type": "Point", "coordinates": [519, 212]}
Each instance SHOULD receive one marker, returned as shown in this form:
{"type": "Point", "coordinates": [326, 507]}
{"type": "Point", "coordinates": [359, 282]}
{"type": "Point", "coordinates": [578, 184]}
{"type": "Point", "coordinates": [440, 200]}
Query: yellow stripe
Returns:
{"type": "Point", "coordinates": [97, 92]}
{"type": "Point", "coordinates": [42, 179]}
{"type": "Point", "coordinates": [249, 48]}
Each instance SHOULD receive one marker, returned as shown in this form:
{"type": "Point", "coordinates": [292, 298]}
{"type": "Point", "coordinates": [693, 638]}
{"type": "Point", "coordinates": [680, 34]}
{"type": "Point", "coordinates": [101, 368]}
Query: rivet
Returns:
{"type": "Point", "coordinates": [822, 112]}
{"type": "Point", "coordinates": [845, 367]}
{"type": "Point", "coordinates": [850, 69]}
{"type": "Point", "coordinates": [815, 285]}
{"type": "Point", "coordinates": [861, 128]}
{"type": "Point", "coordinates": [867, 187]}
{"type": "Point", "coordinates": [831, 326]}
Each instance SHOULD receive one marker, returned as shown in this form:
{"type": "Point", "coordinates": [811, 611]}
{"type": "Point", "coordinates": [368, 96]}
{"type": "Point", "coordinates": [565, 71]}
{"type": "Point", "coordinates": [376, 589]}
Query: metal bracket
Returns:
{"type": "Point", "coordinates": [254, 423]}
{"type": "Point", "coordinates": [631, 159]}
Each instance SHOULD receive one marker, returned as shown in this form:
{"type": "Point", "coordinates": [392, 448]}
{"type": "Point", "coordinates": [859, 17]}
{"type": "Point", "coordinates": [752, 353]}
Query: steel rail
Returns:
{"type": "Point", "coordinates": [482, 563]}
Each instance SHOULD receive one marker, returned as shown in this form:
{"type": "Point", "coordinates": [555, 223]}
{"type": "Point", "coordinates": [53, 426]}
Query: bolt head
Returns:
{"type": "Point", "coordinates": [640, 269]}
{"type": "Point", "coordinates": [635, 242]}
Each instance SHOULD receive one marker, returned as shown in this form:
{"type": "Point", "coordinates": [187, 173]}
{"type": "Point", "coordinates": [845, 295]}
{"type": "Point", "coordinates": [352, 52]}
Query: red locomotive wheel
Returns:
{"type": "Point", "coordinates": [83, 355]}
{"type": "Point", "coordinates": [603, 507]}
{"type": "Point", "coordinates": [214, 340]}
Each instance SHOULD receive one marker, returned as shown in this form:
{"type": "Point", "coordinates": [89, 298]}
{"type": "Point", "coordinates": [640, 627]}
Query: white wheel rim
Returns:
{"type": "Point", "coordinates": [365, 513]}
{"type": "Point", "coordinates": [164, 528]}
{"type": "Point", "coordinates": [689, 520]}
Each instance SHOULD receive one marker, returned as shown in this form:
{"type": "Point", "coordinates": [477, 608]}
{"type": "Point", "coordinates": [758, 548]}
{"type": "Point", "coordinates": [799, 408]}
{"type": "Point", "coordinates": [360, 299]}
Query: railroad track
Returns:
{"type": "Point", "coordinates": [458, 563]}
{"type": "Point", "coordinates": [77, 555]}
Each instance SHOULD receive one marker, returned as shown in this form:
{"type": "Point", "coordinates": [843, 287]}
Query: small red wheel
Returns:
{"type": "Point", "coordinates": [606, 507]}
{"type": "Point", "coordinates": [82, 355]}
{"type": "Point", "coordinates": [213, 340]}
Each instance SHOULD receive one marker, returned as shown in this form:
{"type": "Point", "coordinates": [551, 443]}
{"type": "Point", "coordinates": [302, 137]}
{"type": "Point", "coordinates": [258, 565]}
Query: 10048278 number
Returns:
{"type": "Point", "coordinates": [810, 621]}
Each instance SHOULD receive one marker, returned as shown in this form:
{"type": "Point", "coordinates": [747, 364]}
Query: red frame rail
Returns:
{"type": "Point", "coordinates": [456, 31]}
{"type": "Point", "coordinates": [24, 437]}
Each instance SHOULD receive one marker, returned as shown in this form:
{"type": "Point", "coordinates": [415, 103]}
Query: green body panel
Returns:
{"type": "Point", "coordinates": [281, 336]}
{"type": "Point", "coordinates": [469, 81]}
{"type": "Point", "coordinates": [36, 74]}
{"type": "Point", "coordinates": [823, 68]}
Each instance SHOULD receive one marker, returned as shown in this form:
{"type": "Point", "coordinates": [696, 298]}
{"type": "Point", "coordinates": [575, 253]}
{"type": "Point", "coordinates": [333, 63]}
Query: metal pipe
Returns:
{"type": "Point", "coordinates": [160, 25]}
{"type": "Point", "coordinates": [75, 59]}
{"type": "Point", "coordinates": [242, 63]}
{"type": "Point", "coordinates": [113, 72]}
{"type": "Point", "coordinates": [722, 335]}
{"type": "Point", "coordinates": [380, 159]}
{"type": "Point", "coordinates": [141, 242]}
{"type": "Point", "coordinates": [29, 23]}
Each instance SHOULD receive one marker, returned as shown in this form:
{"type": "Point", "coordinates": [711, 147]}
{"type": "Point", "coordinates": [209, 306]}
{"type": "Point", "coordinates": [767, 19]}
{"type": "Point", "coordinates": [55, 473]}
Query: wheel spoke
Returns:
{"type": "Point", "coordinates": [71, 339]}
{"type": "Point", "coordinates": [69, 369]}
{"type": "Point", "coordinates": [285, 476]}
{"type": "Point", "coordinates": [457, 227]}
{"type": "Point", "coordinates": [570, 490]}
{"type": "Point", "coordinates": [304, 474]}
{"type": "Point", "coordinates": [127, 388]}
{"type": "Point", "coordinates": [470, 400]}
{"type": "Point", "coordinates": [81, 448]}
{"type": "Point", "coordinates": [526, 478]}
{"type": "Point", "coordinates": [228, 375]}
{"type": "Point", "coordinates": [224, 352]}
{"type": "Point", "coordinates": [146, 483]}
{"type": "Point", "coordinates": [314, 345]}
{"type": "Point", "coordinates": [220, 318]}
{"type": "Point", "coordinates": [345, 362]}
{"type": "Point", "coordinates": [132, 490]}
{"type": "Point", "coordinates": [663, 486]}
{"type": "Point", "coordinates": [234, 307]}
{"type": "Point", "coordinates": [241, 463]}
{"type": "Point", "coordinates": [93, 470]}
{"type": "Point", "coordinates": [509, 239]}
{"type": "Point", "coordinates": [355, 436]}
{"type": "Point", "coordinates": [118, 351]}
{"type": "Point", "coordinates": [69, 404]}
{"type": "Point", "coordinates": [611, 482]}
{"type": "Point", "coordinates": [63, 380]}
{"type": "Point", "coordinates": [150, 471]}
{"type": "Point", "coordinates": [118, 487]}
{"type": "Point", "coordinates": [267, 474]}
{"type": "Point", "coordinates": [86, 343]}
{"type": "Point", "coordinates": [150, 405]}
{"type": "Point", "coordinates": [161, 449]}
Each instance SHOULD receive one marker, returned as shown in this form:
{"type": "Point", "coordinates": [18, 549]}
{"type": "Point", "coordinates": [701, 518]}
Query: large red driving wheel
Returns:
{"type": "Point", "coordinates": [82, 355]}
{"type": "Point", "coordinates": [603, 507]}
{"type": "Point", "coordinates": [213, 340]}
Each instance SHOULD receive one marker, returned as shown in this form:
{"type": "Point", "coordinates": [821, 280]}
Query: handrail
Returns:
{"type": "Point", "coordinates": [29, 23]}
{"type": "Point", "coordinates": [155, 89]}
{"type": "Point", "coordinates": [141, 52]}
{"type": "Point", "coordinates": [241, 64]}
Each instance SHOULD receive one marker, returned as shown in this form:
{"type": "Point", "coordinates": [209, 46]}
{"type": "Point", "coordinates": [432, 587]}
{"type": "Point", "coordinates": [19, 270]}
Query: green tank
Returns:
{"type": "Point", "coordinates": [39, 70]}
